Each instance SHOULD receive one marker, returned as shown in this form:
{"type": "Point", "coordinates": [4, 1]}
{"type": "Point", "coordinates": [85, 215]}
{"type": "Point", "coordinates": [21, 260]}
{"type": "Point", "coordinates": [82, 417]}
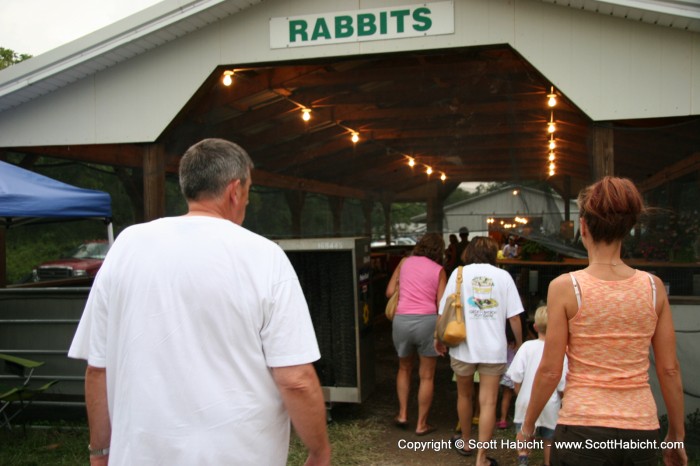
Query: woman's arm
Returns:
{"type": "Point", "coordinates": [393, 281]}
{"type": "Point", "coordinates": [548, 375]}
{"type": "Point", "coordinates": [669, 374]}
{"type": "Point", "coordinates": [442, 283]}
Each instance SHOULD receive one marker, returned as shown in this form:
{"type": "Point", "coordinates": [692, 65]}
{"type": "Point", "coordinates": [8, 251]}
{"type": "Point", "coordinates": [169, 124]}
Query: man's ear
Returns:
{"type": "Point", "coordinates": [233, 191]}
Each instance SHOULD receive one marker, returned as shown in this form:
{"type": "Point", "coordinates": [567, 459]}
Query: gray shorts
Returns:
{"type": "Point", "coordinates": [413, 333]}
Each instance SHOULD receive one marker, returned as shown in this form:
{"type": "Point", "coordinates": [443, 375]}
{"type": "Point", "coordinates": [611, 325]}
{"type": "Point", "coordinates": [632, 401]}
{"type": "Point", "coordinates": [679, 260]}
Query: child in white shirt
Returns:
{"type": "Point", "coordinates": [522, 371]}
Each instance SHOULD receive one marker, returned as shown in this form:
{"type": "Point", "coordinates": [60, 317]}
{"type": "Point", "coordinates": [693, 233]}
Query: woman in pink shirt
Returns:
{"type": "Point", "coordinates": [421, 281]}
{"type": "Point", "coordinates": [604, 318]}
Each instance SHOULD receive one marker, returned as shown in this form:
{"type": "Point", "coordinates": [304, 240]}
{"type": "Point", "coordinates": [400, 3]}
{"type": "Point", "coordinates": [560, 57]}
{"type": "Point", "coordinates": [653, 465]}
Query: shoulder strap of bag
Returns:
{"type": "Point", "coordinates": [458, 291]}
{"type": "Point", "coordinates": [458, 295]}
{"type": "Point", "coordinates": [398, 274]}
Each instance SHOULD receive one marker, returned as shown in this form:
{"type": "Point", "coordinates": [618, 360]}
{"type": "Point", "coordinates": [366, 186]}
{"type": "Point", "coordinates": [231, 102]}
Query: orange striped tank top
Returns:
{"type": "Point", "coordinates": [609, 338]}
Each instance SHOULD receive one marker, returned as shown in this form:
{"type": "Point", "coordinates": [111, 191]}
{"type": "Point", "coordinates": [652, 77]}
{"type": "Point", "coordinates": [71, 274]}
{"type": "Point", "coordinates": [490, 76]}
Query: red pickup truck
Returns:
{"type": "Point", "coordinates": [83, 261]}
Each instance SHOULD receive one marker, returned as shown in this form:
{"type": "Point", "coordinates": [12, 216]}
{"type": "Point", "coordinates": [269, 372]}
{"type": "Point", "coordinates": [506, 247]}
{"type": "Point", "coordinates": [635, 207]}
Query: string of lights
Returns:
{"type": "Point", "coordinates": [551, 129]}
{"type": "Point", "coordinates": [306, 115]}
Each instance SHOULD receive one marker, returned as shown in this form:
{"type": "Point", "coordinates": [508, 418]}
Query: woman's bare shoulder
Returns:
{"type": "Point", "coordinates": [563, 280]}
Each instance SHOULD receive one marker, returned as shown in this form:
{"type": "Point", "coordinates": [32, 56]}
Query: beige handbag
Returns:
{"type": "Point", "coordinates": [393, 303]}
{"type": "Point", "coordinates": [451, 329]}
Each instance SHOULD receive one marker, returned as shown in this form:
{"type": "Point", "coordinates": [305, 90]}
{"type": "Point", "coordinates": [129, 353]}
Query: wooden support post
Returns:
{"type": "Point", "coordinates": [567, 197]}
{"type": "Point", "coordinates": [336, 205]}
{"type": "Point", "coordinates": [386, 206]}
{"type": "Point", "coordinates": [367, 209]}
{"type": "Point", "coordinates": [295, 201]}
{"type": "Point", "coordinates": [434, 214]}
{"type": "Point", "coordinates": [153, 182]}
{"type": "Point", "coordinates": [3, 257]}
{"type": "Point", "coordinates": [602, 152]}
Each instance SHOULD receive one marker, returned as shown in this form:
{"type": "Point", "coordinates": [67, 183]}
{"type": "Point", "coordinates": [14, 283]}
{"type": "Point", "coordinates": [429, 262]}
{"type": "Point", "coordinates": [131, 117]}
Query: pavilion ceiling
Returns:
{"type": "Point", "coordinates": [474, 114]}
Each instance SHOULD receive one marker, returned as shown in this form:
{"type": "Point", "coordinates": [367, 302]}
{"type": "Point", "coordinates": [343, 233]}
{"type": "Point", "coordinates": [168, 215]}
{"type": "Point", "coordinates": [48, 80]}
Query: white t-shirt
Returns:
{"type": "Point", "coordinates": [188, 315]}
{"type": "Point", "coordinates": [489, 298]}
{"type": "Point", "coordinates": [522, 370]}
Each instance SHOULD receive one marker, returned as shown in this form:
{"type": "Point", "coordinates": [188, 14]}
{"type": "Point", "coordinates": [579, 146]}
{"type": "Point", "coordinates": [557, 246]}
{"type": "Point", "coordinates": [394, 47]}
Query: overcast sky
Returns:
{"type": "Point", "coordinates": [36, 26]}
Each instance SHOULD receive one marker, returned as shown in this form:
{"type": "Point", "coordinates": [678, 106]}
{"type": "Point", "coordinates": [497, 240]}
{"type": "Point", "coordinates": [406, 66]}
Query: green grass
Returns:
{"type": "Point", "coordinates": [62, 445]}
{"type": "Point", "coordinates": [354, 442]}
{"type": "Point", "coordinates": [54, 445]}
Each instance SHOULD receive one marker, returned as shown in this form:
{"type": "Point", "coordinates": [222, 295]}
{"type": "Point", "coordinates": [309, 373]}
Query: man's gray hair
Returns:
{"type": "Point", "coordinates": [210, 165]}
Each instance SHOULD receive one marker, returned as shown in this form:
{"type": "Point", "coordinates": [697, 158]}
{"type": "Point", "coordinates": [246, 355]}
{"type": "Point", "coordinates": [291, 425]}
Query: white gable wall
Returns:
{"type": "Point", "coordinates": [473, 213]}
{"type": "Point", "coordinates": [610, 67]}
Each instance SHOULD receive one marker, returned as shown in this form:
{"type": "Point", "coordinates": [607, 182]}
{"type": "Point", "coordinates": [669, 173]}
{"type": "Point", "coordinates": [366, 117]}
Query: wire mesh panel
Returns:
{"type": "Point", "coordinates": [327, 280]}
{"type": "Point", "coordinates": [335, 275]}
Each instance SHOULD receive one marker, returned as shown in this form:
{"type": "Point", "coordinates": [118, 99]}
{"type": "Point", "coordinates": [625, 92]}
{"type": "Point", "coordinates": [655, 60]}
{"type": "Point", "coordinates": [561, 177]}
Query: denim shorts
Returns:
{"type": "Point", "coordinates": [414, 333]}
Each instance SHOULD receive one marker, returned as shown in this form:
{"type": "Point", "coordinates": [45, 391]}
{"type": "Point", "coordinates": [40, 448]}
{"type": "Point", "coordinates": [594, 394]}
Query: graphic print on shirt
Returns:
{"type": "Point", "coordinates": [482, 304]}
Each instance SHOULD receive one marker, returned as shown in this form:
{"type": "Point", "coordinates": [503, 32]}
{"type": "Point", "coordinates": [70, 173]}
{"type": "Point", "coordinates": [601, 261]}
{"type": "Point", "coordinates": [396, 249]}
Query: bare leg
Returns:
{"type": "Point", "coordinates": [426, 371]}
{"type": "Point", "coordinates": [465, 388]}
{"type": "Point", "coordinates": [547, 451]}
{"type": "Point", "coordinates": [403, 386]}
{"type": "Point", "coordinates": [488, 398]}
{"type": "Point", "coordinates": [505, 403]}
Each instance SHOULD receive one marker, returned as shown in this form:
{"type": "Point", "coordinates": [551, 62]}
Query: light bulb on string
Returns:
{"type": "Point", "coordinates": [551, 127]}
{"type": "Point", "coordinates": [551, 156]}
{"type": "Point", "coordinates": [306, 114]}
{"type": "Point", "coordinates": [228, 78]}
{"type": "Point", "coordinates": [551, 166]}
{"type": "Point", "coordinates": [552, 143]}
{"type": "Point", "coordinates": [551, 172]}
{"type": "Point", "coordinates": [551, 98]}
{"type": "Point", "coordinates": [355, 137]}
{"type": "Point", "coordinates": [411, 162]}
{"type": "Point", "coordinates": [443, 177]}
{"type": "Point", "coordinates": [429, 170]}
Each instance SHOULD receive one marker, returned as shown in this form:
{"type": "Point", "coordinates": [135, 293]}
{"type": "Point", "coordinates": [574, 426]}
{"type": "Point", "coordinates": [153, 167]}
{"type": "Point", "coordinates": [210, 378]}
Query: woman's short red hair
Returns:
{"type": "Point", "coordinates": [611, 207]}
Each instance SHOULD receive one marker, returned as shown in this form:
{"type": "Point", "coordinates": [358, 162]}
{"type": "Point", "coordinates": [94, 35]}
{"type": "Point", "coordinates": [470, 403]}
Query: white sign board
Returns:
{"type": "Point", "coordinates": [425, 19]}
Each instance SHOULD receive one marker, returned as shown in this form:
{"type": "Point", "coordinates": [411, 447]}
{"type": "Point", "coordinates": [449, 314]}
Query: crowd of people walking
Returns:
{"type": "Point", "coordinates": [584, 378]}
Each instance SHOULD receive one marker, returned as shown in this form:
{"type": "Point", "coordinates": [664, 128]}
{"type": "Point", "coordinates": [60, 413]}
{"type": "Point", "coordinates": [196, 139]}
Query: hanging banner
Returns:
{"type": "Point", "coordinates": [425, 19]}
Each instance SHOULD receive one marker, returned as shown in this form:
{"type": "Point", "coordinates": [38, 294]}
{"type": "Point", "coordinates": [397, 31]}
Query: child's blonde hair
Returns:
{"type": "Point", "coordinates": [541, 319]}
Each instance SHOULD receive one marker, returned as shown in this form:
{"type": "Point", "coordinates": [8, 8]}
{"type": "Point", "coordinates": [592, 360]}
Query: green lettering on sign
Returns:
{"type": "Point", "coordinates": [382, 23]}
{"type": "Point", "coordinates": [420, 15]}
{"type": "Point", "coordinates": [343, 27]}
{"type": "Point", "coordinates": [298, 28]}
{"type": "Point", "coordinates": [365, 24]}
{"type": "Point", "coordinates": [400, 15]}
{"type": "Point", "coordinates": [321, 30]}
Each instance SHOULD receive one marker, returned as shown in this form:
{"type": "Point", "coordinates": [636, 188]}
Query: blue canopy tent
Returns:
{"type": "Point", "coordinates": [28, 197]}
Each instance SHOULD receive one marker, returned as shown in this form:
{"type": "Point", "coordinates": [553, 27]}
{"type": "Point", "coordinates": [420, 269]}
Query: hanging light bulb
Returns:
{"type": "Point", "coordinates": [515, 192]}
{"type": "Point", "coordinates": [551, 172]}
{"type": "Point", "coordinates": [552, 98]}
{"type": "Point", "coordinates": [306, 114]}
{"type": "Point", "coordinates": [551, 166]}
{"type": "Point", "coordinates": [443, 177]}
{"type": "Point", "coordinates": [551, 127]}
{"type": "Point", "coordinates": [429, 170]}
{"type": "Point", "coordinates": [355, 137]}
{"type": "Point", "coordinates": [228, 78]}
{"type": "Point", "coordinates": [552, 144]}
{"type": "Point", "coordinates": [551, 156]}
{"type": "Point", "coordinates": [411, 162]}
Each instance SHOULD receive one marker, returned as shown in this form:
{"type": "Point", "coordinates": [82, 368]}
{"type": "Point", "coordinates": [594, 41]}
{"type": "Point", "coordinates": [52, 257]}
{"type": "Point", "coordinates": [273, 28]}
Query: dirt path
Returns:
{"type": "Point", "coordinates": [382, 405]}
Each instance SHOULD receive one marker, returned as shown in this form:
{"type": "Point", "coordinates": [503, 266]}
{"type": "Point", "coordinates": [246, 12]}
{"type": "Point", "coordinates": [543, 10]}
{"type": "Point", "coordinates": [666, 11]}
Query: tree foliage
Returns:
{"type": "Point", "coordinates": [9, 57]}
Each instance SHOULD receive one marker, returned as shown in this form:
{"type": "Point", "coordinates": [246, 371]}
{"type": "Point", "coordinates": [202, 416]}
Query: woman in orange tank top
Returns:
{"type": "Point", "coordinates": [604, 318]}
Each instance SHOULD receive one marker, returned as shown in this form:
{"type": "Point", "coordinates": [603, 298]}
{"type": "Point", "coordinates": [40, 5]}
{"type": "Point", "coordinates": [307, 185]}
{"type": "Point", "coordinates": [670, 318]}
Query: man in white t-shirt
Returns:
{"type": "Point", "coordinates": [522, 372]}
{"type": "Point", "coordinates": [197, 336]}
